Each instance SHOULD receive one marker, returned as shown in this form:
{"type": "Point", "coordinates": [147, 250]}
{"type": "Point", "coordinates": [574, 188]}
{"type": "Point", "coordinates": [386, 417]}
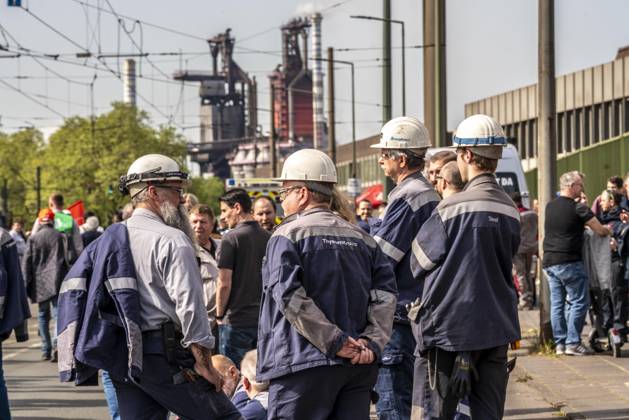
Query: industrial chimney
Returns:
{"type": "Point", "coordinates": [128, 81]}
{"type": "Point", "coordinates": [317, 85]}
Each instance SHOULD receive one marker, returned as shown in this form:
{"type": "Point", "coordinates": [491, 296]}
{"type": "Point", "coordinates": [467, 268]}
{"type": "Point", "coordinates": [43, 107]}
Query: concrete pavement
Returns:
{"type": "Point", "coordinates": [34, 388]}
{"type": "Point", "coordinates": [590, 387]}
{"type": "Point", "coordinates": [541, 387]}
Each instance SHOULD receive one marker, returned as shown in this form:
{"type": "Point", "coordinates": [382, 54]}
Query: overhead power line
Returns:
{"type": "Point", "coordinates": [31, 98]}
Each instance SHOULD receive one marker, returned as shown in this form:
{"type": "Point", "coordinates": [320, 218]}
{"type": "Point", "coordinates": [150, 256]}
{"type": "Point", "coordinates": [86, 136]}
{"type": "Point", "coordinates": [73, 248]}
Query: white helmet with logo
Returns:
{"type": "Point", "coordinates": [482, 134]}
{"type": "Point", "coordinates": [404, 133]}
{"type": "Point", "coordinates": [310, 165]}
{"type": "Point", "coordinates": [151, 168]}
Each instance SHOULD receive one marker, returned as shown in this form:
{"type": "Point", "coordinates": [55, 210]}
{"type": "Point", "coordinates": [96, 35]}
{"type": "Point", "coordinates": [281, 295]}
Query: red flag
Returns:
{"type": "Point", "coordinates": [77, 211]}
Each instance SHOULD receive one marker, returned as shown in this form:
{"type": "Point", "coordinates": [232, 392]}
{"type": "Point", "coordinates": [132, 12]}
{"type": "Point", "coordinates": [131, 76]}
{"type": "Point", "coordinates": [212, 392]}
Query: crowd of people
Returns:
{"type": "Point", "coordinates": [330, 310]}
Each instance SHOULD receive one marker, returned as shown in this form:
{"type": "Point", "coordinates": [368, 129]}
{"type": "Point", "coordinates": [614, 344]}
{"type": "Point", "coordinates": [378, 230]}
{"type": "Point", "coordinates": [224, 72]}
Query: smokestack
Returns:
{"type": "Point", "coordinates": [128, 81]}
{"type": "Point", "coordinates": [317, 85]}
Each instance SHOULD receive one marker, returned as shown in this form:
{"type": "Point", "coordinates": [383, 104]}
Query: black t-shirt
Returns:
{"type": "Point", "coordinates": [563, 231]}
{"type": "Point", "coordinates": [241, 251]}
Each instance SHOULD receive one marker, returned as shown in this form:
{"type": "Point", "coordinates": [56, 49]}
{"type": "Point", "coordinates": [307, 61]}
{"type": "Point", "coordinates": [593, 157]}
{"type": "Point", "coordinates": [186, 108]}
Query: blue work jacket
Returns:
{"type": "Point", "coordinates": [98, 322]}
{"type": "Point", "coordinates": [411, 203]}
{"type": "Point", "coordinates": [464, 254]}
{"type": "Point", "coordinates": [324, 279]}
{"type": "Point", "coordinates": [13, 303]}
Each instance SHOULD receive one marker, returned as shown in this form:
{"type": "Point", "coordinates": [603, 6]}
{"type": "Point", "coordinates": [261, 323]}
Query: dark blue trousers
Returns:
{"type": "Point", "coordinates": [161, 390]}
{"type": "Point", "coordinates": [327, 392]}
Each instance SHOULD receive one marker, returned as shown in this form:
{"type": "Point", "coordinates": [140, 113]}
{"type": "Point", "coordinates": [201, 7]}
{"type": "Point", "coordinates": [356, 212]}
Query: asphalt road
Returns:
{"type": "Point", "coordinates": [34, 388]}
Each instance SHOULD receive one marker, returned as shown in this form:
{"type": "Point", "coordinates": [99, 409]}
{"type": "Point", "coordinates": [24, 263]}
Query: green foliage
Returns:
{"type": "Point", "coordinates": [19, 154]}
{"type": "Point", "coordinates": [83, 159]}
{"type": "Point", "coordinates": [208, 190]}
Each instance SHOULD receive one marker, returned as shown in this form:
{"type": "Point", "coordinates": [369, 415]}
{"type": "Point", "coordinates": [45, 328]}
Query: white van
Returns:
{"type": "Point", "coordinates": [509, 173]}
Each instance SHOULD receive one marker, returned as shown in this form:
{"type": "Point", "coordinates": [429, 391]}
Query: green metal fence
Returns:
{"type": "Point", "coordinates": [598, 162]}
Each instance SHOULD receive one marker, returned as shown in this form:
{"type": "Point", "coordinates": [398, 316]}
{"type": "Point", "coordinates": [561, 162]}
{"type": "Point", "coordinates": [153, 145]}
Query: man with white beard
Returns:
{"type": "Point", "coordinates": [177, 373]}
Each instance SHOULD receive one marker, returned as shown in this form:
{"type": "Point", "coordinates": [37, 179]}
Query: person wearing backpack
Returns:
{"type": "Point", "coordinates": [64, 223]}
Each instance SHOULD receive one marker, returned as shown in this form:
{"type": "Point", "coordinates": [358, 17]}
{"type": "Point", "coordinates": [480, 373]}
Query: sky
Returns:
{"type": "Point", "coordinates": [491, 48]}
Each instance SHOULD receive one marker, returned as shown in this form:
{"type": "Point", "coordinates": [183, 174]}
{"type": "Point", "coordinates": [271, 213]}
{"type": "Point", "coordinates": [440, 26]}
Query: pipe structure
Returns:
{"type": "Point", "coordinates": [128, 82]}
{"type": "Point", "coordinates": [331, 115]}
{"type": "Point", "coordinates": [318, 120]}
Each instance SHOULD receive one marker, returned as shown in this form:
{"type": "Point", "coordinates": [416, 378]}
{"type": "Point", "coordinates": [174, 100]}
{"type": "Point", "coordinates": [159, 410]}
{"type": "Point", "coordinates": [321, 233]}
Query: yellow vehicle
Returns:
{"type": "Point", "coordinates": [257, 187]}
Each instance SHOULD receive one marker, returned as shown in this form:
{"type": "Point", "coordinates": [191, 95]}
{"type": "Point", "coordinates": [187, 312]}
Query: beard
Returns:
{"type": "Point", "coordinates": [177, 217]}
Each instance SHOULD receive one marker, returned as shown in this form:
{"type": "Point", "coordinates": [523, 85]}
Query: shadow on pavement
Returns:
{"type": "Point", "coordinates": [622, 413]}
{"type": "Point", "coordinates": [35, 404]}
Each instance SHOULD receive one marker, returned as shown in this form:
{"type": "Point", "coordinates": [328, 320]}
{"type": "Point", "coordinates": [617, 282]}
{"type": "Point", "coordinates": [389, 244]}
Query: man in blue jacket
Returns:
{"type": "Point", "coordinates": [402, 145]}
{"type": "Point", "coordinates": [467, 316]}
{"type": "Point", "coordinates": [13, 306]}
{"type": "Point", "coordinates": [327, 305]}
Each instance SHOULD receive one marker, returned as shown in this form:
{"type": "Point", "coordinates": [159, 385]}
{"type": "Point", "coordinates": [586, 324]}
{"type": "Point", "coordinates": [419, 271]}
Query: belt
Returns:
{"type": "Point", "coordinates": [153, 341]}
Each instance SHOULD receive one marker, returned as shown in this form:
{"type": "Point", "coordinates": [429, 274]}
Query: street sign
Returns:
{"type": "Point", "coordinates": [354, 186]}
{"type": "Point", "coordinates": [15, 3]}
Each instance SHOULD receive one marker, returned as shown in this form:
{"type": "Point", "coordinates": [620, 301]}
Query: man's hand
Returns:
{"type": "Point", "coordinates": [350, 349]}
{"type": "Point", "coordinates": [203, 366]}
{"type": "Point", "coordinates": [366, 355]}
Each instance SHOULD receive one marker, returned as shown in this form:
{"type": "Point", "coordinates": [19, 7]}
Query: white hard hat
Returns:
{"type": "Point", "coordinates": [308, 165]}
{"type": "Point", "coordinates": [482, 134]}
{"type": "Point", "coordinates": [403, 133]}
{"type": "Point", "coordinates": [151, 168]}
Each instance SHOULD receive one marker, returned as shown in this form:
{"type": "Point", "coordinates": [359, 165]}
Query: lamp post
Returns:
{"type": "Point", "coordinates": [401, 22]}
{"type": "Point", "coordinates": [351, 64]}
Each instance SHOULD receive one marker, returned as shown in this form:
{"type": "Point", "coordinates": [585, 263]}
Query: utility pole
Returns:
{"type": "Point", "coordinates": [401, 23]}
{"type": "Point", "coordinates": [272, 151]}
{"type": "Point", "coordinates": [386, 61]}
{"type": "Point", "coordinates": [386, 77]}
{"type": "Point", "coordinates": [5, 198]}
{"type": "Point", "coordinates": [331, 116]}
{"type": "Point", "coordinates": [435, 104]}
{"type": "Point", "coordinates": [547, 145]}
{"type": "Point", "coordinates": [38, 187]}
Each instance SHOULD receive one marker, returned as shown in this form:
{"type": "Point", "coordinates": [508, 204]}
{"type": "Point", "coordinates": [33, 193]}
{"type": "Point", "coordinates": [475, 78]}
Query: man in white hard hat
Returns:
{"type": "Point", "coordinates": [152, 275]}
{"type": "Point", "coordinates": [327, 304]}
{"type": "Point", "coordinates": [468, 313]}
{"type": "Point", "coordinates": [403, 144]}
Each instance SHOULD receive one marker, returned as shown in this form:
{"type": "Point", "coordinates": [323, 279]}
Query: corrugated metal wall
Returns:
{"type": "Point", "coordinates": [598, 162]}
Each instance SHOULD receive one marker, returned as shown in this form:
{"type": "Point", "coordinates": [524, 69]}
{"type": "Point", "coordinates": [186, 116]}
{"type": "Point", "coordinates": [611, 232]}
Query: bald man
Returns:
{"type": "Point", "coordinates": [449, 180]}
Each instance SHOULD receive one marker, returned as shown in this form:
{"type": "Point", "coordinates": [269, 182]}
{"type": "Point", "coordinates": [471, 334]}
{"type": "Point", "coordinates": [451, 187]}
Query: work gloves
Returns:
{"type": "Point", "coordinates": [463, 372]}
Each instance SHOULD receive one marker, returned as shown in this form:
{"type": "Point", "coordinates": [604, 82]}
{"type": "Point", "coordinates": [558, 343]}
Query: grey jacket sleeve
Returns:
{"type": "Point", "coordinates": [304, 315]}
{"type": "Point", "coordinates": [382, 303]}
{"type": "Point", "coordinates": [380, 319]}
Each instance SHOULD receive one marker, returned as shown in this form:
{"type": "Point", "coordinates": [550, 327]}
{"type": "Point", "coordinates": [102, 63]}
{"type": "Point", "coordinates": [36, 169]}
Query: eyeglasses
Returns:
{"type": "Point", "coordinates": [284, 192]}
{"type": "Point", "coordinates": [392, 154]}
{"type": "Point", "coordinates": [180, 191]}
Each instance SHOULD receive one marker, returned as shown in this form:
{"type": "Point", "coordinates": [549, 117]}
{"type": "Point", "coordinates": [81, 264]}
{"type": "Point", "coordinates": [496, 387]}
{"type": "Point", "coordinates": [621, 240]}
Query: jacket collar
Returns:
{"type": "Point", "coordinates": [486, 179]}
{"type": "Point", "coordinates": [410, 177]}
{"type": "Point", "coordinates": [142, 212]}
{"type": "Point", "coordinates": [304, 213]}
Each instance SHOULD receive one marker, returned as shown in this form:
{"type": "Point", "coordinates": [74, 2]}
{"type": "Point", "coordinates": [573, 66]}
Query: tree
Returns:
{"type": "Point", "coordinates": [85, 159]}
{"type": "Point", "coordinates": [20, 155]}
{"type": "Point", "coordinates": [208, 190]}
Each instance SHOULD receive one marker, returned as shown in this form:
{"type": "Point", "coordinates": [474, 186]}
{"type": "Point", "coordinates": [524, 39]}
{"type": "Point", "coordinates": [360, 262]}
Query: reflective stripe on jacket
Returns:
{"type": "Point", "coordinates": [410, 205]}
{"type": "Point", "coordinates": [324, 279]}
{"type": "Point", "coordinates": [98, 322]}
{"type": "Point", "coordinates": [465, 252]}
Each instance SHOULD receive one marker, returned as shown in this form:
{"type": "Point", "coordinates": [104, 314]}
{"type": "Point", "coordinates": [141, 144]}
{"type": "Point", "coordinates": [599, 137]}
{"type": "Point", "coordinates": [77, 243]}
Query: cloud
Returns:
{"type": "Point", "coordinates": [307, 9]}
